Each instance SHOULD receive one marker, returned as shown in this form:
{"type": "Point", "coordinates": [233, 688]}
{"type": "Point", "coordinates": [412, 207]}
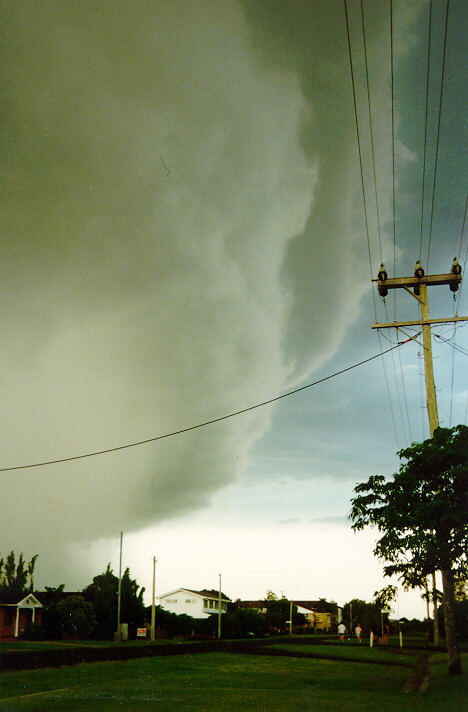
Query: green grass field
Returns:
{"type": "Point", "coordinates": [354, 651]}
{"type": "Point", "coordinates": [229, 682]}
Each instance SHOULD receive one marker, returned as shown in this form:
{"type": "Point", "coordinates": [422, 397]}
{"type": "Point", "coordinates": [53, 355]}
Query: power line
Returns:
{"type": "Point", "coordinates": [206, 422]}
{"type": "Point", "coordinates": [404, 397]}
{"type": "Point", "coordinates": [392, 415]}
{"type": "Point", "coordinates": [359, 150]}
{"type": "Point", "coordinates": [375, 187]}
{"type": "Point", "coordinates": [438, 133]}
{"type": "Point", "coordinates": [371, 130]}
{"type": "Point", "coordinates": [425, 127]}
{"type": "Point", "coordinates": [455, 347]}
{"type": "Point", "coordinates": [460, 248]}
{"type": "Point", "coordinates": [393, 153]}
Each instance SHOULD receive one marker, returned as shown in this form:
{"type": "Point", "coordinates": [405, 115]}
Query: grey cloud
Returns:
{"type": "Point", "coordinates": [137, 303]}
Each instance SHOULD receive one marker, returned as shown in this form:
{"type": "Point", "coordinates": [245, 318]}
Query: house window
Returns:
{"type": "Point", "coordinates": [8, 616]}
{"type": "Point", "coordinates": [188, 600]}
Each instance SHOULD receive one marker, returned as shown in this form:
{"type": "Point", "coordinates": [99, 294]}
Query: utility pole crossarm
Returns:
{"type": "Point", "coordinates": [419, 284]}
{"type": "Point", "coordinates": [429, 280]}
{"type": "Point", "coordinates": [417, 322]}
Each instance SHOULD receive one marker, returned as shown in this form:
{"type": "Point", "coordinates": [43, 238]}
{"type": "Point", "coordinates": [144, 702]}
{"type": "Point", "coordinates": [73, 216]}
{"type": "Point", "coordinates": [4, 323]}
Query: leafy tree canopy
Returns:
{"type": "Point", "coordinates": [102, 593]}
{"type": "Point", "coordinates": [76, 616]}
{"type": "Point", "coordinates": [17, 577]}
{"type": "Point", "coordinates": [421, 511]}
{"type": "Point", "coordinates": [421, 515]}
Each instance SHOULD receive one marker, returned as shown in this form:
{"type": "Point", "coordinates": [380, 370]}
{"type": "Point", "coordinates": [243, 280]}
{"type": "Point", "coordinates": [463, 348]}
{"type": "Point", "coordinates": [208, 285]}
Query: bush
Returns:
{"type": "Point", "coordinates": [76, 616]}
{"type": "Point", "coordinates": [33, 631]}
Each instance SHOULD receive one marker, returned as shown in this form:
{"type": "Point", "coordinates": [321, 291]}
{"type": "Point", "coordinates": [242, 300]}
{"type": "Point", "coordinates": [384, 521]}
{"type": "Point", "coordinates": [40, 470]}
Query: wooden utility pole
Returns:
{"type": "Point", "coordinates": [118, 634]}
{"type": "Point", "coordinates": [153, 607]}
{"type": "Point", "coordinates": [419, 283]}
{"type": "Point", "coordinates": [219, 608]}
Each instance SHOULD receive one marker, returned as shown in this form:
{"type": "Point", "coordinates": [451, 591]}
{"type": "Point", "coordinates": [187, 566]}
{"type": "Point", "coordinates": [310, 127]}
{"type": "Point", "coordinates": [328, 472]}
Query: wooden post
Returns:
{"type": "Point", "coordinates": [153, 608]}
{"type": "Point", "coordinates": [219, 608]}
{"type": "Point", "coordinates": [419, 284]}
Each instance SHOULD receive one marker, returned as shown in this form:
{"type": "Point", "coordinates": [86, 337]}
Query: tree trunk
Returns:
{"type": "Point", "coordinates": [434, 609]}
{"type": "Point", "coordinates": [454, 663]}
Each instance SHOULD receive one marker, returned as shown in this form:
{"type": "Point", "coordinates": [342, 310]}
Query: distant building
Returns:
{"type": "Point", "coordinates": [16, 611]}
{"type": "Point", "coordinates": [259, 606]}
{"type": "Point", "coordinates": [320, 615]}
{"type": "Point", "coordinates": [198, 604]}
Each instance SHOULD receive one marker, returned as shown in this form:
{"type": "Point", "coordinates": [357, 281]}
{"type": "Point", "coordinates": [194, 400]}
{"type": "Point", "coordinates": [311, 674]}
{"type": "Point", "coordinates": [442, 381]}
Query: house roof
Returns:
{"type": "Point", "coordinates": [10, 598]}
{"type": "Point", "coordinates": [252, 604]}
{"type": "Point", "coordinates": [48, 597]}
{"type": "Point", "coordinates": [311, 606]}
{"type": "Point", "coordinates": [317, 606]}
{"type": "Point", "coordinates": [204, 593]}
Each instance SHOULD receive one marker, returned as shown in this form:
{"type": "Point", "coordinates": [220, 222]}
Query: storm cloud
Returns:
{"type": "Point", "coordinates": [177, 192]}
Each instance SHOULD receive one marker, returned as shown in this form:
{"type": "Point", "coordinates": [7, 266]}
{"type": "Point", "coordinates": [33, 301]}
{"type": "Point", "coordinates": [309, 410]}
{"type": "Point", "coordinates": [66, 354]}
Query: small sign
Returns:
{"type": "Point", "coordinates": [141, 632]}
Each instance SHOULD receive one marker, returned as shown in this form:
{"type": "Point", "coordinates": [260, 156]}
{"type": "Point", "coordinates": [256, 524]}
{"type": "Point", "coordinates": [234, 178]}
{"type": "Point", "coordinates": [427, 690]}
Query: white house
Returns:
{"type": "Point", "coordinates": [198, 604]}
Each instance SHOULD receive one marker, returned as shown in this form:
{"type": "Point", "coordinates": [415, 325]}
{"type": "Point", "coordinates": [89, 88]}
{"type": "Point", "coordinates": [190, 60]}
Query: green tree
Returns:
{"type": "Point", "coordinates": [367, 614]}
{"type": "Point", "coordinates": [50, 618]}
{"type": "Point", "coordinates": [421, 514]}
{"type": "Point", "coordinates": [76, 616]}
{"type": "Point", "coordinates": [385, 596]}
{"type": "Point", "coordinates": [14, 576]}
{"type": "Point", "coordinates": [170, 625]}
{"type": "Point", "coordinates": [239, 622]}
{"type": "Point", "coordinates": [102, 593]}
{"type": "Point", "coordinates": [278, 611]}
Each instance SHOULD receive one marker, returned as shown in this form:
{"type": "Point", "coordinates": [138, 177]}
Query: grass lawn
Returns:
{"type": "Point", "coordinates": [355, 651]}
{"type": "Point", "coordinates": [43, 644]}
{"type": "Point", "coordinates": [228, 682]}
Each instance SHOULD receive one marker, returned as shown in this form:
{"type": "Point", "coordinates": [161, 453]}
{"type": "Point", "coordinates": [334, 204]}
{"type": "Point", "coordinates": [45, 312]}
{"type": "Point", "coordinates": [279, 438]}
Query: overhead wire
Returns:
{"type": "Point", "coordinates": [405, 401]}
{"type": "Point", "coordinates": [421, 394]}
{"type": "Point", "coordinates": [371, 130]}
{"type": "Point", "coordinates": [462, 234]}
{"type": "Point", "coordinates": [425, 128]}
{"type": "Point", "coordinates": [364, 200]}
{"type": "Point", "coordinates": [206, 422]}
{"type": "Point", "coordinates": [393, 154]}
{"type": "Point", "coordinates": [452, 377]}
{"type": "Point", "coordinates": [387, 387]}
{"type": "Point", "coordinates": [455, 310]}
{"type": "Point", "coordinates": [436, 160]}
{"type": "Point", "coordinates": [359, 150]}
{"type": "Point", "coordinates": [455, 347]}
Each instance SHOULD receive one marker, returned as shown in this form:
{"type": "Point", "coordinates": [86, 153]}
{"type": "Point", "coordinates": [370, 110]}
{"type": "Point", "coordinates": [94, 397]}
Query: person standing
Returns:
{"type": "Point", "coordinates": [358, 631]}
{"type": "Point", "coordinates": [341, 632]}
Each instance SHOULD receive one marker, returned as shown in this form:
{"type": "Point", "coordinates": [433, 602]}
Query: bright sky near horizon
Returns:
{"type": "Point", "coordinates": [183, 236]}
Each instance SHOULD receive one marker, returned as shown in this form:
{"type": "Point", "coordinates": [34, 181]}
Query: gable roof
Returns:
{"type": "Point", "coordinates": [318, 606]}
{"type": "Point", "coordinates": [10, 598]}
{"type": "Point", "coordinates": [204, 593]}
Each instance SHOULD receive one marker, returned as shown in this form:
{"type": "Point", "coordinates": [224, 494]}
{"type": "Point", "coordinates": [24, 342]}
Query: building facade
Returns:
{"type": "Point", "coordinates": [16, 611]}
{"type": "Point", "coordinates": [198, 604]}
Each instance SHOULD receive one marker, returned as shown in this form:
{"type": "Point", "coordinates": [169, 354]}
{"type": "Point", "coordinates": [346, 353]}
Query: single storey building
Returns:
{"type": "Point", "coordinates": [16, 611]}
